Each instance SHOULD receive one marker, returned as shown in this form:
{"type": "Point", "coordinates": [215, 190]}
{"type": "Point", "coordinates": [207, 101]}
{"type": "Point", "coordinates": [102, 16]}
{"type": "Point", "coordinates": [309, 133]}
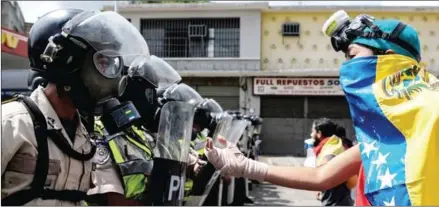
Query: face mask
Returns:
{"type": "Point", "coordinates": [394, 111]}
{"type": "Point", "coordinates": [363, 79]}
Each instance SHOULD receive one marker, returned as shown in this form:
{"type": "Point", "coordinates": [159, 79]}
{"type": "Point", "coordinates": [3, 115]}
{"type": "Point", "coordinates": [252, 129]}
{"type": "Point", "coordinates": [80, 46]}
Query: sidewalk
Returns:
{"type": "Point", "coordinates": [266, 194]}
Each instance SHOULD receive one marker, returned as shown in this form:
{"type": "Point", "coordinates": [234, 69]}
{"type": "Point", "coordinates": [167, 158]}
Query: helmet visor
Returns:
{"type": "Point", "coordinates": [108, 31]}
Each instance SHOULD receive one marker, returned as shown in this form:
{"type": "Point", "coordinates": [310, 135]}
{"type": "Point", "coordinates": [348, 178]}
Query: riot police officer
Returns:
{"type": "Point", "coordinates": [130, 148]}
{"type": "Point", "coordinates": [46, 150]}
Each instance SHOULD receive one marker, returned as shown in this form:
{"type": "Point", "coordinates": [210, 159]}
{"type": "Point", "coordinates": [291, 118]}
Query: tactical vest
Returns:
{"type": "Point", "coordinates": [133, 157]}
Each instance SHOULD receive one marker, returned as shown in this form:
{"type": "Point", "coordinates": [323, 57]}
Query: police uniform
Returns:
{"type": "Point", "coordinates": [127, 156]}
{"type": "Point", "coordinates": [19, 154]}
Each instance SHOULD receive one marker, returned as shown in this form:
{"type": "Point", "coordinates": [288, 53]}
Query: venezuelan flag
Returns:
{"type": "Point", "coordinates": [394, 104]}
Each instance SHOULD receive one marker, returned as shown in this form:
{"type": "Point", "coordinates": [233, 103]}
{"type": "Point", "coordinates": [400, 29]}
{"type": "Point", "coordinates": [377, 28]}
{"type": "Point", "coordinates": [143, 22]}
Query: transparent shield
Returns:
{"type": "Point", "coordinates": [236, 131]}
{"type": "Point", "coordinates": [106, 31]}
{"type": "Point", "coordinates": [222, 129]}
{"type": "Point", "coordinates": [175, 128]}
{"type": "Point", "coordinates": [154, 70]}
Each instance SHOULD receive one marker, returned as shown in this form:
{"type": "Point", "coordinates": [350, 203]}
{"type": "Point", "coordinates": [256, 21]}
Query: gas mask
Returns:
{"type": "Point", "coordinates": [147, 76]}
{"type": "Point", "coordinates": [110, 44]}
{"type": "Point", "coordinates": [343, 31]}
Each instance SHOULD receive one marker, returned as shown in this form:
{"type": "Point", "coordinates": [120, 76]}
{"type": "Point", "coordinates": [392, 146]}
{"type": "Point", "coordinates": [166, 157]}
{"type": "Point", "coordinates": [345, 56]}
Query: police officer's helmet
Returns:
{"type": "Point", "coordinates": [47, 26]}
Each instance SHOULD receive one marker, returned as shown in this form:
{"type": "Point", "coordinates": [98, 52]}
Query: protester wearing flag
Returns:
{"type": "Point", "coordinates": [327, 145]}
{"type": "Point", "coordinates": [393, 102]}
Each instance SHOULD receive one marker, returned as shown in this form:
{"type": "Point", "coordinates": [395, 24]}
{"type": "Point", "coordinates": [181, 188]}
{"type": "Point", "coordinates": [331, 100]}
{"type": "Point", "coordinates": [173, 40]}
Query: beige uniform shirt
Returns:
{"type": "Point", "coordinates": [19, 154]}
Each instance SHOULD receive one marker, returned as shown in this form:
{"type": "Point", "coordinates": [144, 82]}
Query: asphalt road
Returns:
{"type": "Point", "coordinates": [266, 194]}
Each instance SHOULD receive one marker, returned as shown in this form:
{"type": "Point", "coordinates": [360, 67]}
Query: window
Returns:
{"type": "Point", "coordinates": [291, 29]}
{"type": "Point", "coordinates": [192, 37]}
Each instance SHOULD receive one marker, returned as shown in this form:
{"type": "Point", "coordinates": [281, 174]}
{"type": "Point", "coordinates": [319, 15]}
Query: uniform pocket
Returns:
{"type": "Point", "coordinates": [19, 171]}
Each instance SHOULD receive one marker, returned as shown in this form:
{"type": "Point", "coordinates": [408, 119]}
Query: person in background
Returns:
{"type": "Point", "coordinates": [327, 145]}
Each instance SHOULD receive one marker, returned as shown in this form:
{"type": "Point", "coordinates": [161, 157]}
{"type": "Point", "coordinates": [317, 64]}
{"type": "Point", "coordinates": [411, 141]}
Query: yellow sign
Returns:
{"type": "Point", "coordinates": [9, 40]}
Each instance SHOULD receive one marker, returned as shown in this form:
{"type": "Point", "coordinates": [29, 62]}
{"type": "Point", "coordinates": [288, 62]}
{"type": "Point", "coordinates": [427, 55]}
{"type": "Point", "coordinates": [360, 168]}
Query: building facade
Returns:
{"type": "Point", "coordinates": [211, 45]}
{"type": "Point", "coordinates": [307, 86]}
{"type": "Point", "coordinates": [273, 59]}
{"type": "Point", "coordinates": [12, 18]}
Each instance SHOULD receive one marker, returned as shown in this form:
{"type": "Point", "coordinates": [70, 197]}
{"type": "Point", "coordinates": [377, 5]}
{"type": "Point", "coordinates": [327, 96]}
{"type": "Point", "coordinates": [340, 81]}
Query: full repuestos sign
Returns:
{"type": "Point", "coordinates": [297, 86]}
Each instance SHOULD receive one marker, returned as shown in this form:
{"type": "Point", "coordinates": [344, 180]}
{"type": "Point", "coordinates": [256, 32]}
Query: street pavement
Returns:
{"type": "Point", "coordinates": [266, 194]}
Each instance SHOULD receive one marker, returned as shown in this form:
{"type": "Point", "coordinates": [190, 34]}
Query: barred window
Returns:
{"type": "Point", "coordinates": [192, 37]}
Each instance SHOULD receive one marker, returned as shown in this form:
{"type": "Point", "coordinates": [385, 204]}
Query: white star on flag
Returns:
{"type": "Point", "coordinates": [368, 148]}
{"type": "Point", "coordinates": [391, 203]}
{"type": "Point", "coordinates": [381, 159]}
{"type": "Point", "coordinates": [386, 179]}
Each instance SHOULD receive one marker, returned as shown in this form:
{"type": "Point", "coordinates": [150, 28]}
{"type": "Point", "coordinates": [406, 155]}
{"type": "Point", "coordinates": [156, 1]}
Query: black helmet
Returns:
{"type": "Point", "coordinates": [256, 120]}
{"type": "Point", "coordinates": [84, 53]}
{"type": "Point", "coordinates": [206, 113]}
{"type": "Point", "coordinates": [50, 25]}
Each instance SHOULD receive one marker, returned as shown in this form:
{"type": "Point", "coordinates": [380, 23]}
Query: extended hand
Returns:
{"type": "Point", "coordinates": [232, 162]}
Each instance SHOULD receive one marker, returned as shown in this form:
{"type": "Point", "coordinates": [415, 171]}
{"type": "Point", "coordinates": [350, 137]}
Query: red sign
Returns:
{"type": "Point", "coordinates": [297, 86]}
{"type": "Point", "coordinates": [14, 43]}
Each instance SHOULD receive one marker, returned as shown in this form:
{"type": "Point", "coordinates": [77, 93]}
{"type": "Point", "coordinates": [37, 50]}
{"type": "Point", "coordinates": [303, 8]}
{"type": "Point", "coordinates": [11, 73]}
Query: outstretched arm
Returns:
{"type": "Point", "coordinates": [335, 172]}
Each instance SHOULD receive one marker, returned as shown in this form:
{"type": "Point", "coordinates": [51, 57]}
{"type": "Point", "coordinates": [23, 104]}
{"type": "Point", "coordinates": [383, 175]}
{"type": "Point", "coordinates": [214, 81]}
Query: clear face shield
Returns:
{"type": "Point", "coordinates": [212, 106]}
{"type": "Point", "coordinates": [182, 92]}
{"type": "Point", "coordinates": [116, 42]}
{"type": "Point", "coordinates": [155, 71]}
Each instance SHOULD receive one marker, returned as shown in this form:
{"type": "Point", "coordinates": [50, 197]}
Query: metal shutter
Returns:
{"type": "Point", "coordinates": [226, 96]}
{"type": "Point", "coordinates": [334, 107]}
{"type": "Point", "coordinates": [282, 106]}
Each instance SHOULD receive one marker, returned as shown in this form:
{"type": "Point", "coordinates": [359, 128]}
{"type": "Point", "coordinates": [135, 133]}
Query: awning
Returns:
{"type": "Point", "coordinates": [14, 43]}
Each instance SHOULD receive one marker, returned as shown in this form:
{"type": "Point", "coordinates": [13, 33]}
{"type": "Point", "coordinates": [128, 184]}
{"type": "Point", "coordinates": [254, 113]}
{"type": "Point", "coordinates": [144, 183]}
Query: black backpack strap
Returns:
{"type": "Point", "coordinates": [42, 164]}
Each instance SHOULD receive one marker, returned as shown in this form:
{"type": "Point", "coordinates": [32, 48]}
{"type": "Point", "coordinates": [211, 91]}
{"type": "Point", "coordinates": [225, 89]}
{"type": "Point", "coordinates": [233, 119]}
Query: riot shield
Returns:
{"type": "Point", "coordinates": [166, 184]}
{"type": "Point", "coordinates": [223, 128]}
{"type": "Point", "coordinates": [208, 175]}
{"type": "Point", "coordinates": [236, 131]}
{"type": "Point", "coordinates": [234, 135]}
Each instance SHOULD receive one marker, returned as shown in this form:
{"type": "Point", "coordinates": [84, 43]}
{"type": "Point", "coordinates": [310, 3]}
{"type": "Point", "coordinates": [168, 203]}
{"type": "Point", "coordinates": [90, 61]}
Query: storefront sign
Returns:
{"type": "Point", "coordinates": [297, 86]}
{"type": "Point", "coordinates": [14, 43]}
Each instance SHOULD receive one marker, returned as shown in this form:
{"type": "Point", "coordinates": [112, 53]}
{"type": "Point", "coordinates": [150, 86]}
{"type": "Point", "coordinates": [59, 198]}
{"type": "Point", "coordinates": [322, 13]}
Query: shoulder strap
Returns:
{"type": "Point", "coordinates": [42, 165]}
{"type": "Point", "coordinates": [64, 146]}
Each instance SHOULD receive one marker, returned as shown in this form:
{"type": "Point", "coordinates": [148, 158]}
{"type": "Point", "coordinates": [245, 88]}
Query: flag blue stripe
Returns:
{"type": "Point", "coordinates": [356, 78]}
